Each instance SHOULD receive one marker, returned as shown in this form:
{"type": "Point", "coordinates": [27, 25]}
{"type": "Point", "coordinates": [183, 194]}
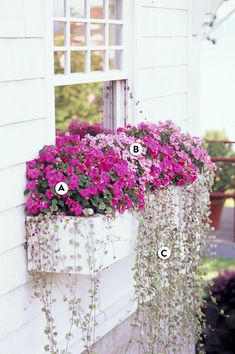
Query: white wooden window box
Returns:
{"type": "Point", "coordinates": [77, 245]}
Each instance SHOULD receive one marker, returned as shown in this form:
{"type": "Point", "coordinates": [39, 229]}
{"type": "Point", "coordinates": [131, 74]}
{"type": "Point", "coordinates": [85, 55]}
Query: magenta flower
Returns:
{"type": "Point", "coordinates": [33, 173]}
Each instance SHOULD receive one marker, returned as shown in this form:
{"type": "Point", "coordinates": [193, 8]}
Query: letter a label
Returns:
{"type": "Point", "coordinates": [61, 188]}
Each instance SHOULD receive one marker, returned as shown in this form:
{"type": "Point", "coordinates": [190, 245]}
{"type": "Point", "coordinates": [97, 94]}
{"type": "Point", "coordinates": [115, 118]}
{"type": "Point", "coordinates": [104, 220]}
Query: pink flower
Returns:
{"type": "Point", "coordinates": [31, 185]}
{"type": "Point", "coordinates": [49, 194]}
{"type": "Point", "coordinates": [76, 208]}
{"type": "Point", "coordinates": [33, 173]}
{"type": "Point", "coordinates": [73, 182]}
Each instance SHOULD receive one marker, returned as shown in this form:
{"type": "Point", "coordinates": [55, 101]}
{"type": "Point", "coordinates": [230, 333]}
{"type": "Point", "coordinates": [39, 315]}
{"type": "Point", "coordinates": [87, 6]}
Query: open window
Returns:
{"type": "Point", "coordinates": [89, 72]}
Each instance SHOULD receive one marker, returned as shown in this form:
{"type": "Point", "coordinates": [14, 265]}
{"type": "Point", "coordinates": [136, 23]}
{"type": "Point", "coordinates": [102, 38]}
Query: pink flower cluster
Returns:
{"type": "Point", "coordinates": [83, 128]}
{"type": "Point", "coordinates": [103, 176]}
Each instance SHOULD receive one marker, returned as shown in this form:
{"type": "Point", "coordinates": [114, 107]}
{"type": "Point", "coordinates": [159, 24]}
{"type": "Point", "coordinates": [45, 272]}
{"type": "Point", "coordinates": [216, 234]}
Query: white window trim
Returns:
{"type": "Point", "coordinates": [91, 76]}
{"type": "Point", "coordinates": [124, 109]}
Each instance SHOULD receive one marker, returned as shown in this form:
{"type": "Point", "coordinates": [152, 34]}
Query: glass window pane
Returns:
{"type": "Point", "coordinates": [97, 9]}
{"type": "Point", "coordinates": [115, 60]}
{"type": "Point", "coordinates": [59, 33]}
{"type": "Point", "coordinates": [97, 34]}
{"type": "Point", "coordinates": [59, 62]}
{"type": "Point", "coordinates": [115, 9]}
{"type": "Point", "coordinates": [80, 103]}
{"type": "Point", "coordinates": [77, 33]}
{"type": "Point", "coordinates": [77, 8]}
{"type": "Point", "coordinates": [97, 60]}
{"type": "Point", "coordinates": [77, 61]}
{"type": "Point", "coordinates": [115, 34]}
{"type": "Point", "coordinates": [59, 8]}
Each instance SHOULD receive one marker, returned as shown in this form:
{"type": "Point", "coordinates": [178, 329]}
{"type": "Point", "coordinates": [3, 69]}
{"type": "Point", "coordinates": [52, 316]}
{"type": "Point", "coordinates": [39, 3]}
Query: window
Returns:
{"type": "Point", "coordinates": [89, 74]}
{"type": "Point", "coordinates": [88, 37]}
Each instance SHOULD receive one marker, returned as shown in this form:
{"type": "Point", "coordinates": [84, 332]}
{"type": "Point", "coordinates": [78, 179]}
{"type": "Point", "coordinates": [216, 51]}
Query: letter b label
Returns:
{"type": "Point", "coordinates": [136, 149]}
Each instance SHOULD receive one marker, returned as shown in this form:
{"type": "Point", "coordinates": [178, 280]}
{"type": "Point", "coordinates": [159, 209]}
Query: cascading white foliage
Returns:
{"type": "Point", "coordinates": [169, 292]}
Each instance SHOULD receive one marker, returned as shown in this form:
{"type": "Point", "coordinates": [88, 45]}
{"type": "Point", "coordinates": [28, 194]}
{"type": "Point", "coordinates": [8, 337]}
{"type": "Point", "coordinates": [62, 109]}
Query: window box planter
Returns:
{"type": "Point", "coordinates": [77, 244]}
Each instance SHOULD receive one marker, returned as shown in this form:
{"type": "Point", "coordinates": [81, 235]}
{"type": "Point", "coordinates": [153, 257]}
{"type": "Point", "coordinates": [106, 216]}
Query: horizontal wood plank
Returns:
{"type": "Point", "coordinates": [163, 22]}
{"type": "Point", "coordinates": [162, 52]}
{"type": "Point", "coordinates": [168, 4]}
{"type": "Point", "coordinates": [13, 181]}
{"type": "Point", "coordinates": [12, 228]}
{"type": "Point", "coordinates": [21, 59]}
{"type": "Point", "coordinates": [173, 107]}
{"type": "Point", "coordinates": [21, 18]}
{"type": "Point", "coordinates": [22, 141]}
{"type": "Point", "coordinates": [13, 269]}
{"type": "Point", "coordinates": [163, 81]}
{"type": "Point", "coordinates": [29, 96]}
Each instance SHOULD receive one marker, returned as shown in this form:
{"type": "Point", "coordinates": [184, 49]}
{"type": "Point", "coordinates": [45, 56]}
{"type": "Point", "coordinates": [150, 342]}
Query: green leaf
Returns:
{"type": "Point", "coordinates": [26, 192]}
{"type": "Point", "coordinates": [54, 201]}
{"type": "Point", "coordinates": [102, 206]}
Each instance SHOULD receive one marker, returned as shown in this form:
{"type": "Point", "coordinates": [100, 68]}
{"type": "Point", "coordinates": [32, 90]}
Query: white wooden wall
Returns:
{"type": "Point", "coordinates": [163, 60]}
{"type": "Point", "coordinates": [161, 78]}
{"type": "Point", "coordinates": [24, 127]}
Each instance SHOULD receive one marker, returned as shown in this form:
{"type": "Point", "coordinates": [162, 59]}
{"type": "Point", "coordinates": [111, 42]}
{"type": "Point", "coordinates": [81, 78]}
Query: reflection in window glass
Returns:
{"type": "Point", "coordinates": [115, 34]}
{"type": "Point", "coordinates": [97, 9]}
{"type": "Point", "coordinates": [77, 33]}
{"type": "Point", "coordinates": [82, 102]}
{"type": "Point", "coordinates": [59, 8]}
{"type": "Point", "coordinates": [77, 8]}
{"type": "Point", "coordinates": [59, 62]}
{"type": "Point", "coordinates": [97, 60]}
{"type": "Point", "coordinates": [77, 61]}
{"type": "Point", "coordinates": [97, 34]}
{"type": "Point", "coordinates": [115, 9]}
{"type": "Point", "coordinates": [115, 59]}
{"type": "Point", "coordinates": [59, 31]}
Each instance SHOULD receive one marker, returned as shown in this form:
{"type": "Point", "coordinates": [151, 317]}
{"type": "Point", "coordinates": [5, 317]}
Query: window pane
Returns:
{"type": "Point", "coordinates": [97, 9]}
{"type": "Point", "coordinates": [97, 60]}
{"type": "Point", "coordinates": [82, 102]}
{"type": "Point", "coordinates": [115, 9]}
{"type": "Point", "coordinates": [59, 33]}
{"type": "Point", "coordinates": [115, 34]}
{"type": "Point", "coordinates": [115, 60]}
{"type": "Point", "coordinates": [77, 61]}
{"type": "Point", "coordinates": [77, 33]}
{"type": "Point", "coordinates": [59, 8]}
{"type": "Point", "coordinates": [77, 8]}
{"type": "Point", "coordinates": [59, 62]}
{"type": "Point", "coordinates": [97, 34]}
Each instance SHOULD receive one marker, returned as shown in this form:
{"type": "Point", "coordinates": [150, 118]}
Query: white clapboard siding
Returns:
{"type": "Point", "coordinates": [26, 339]}
{"type": "Point", "coordinates": [24, 149]}
{"type": "Point", "coordinates": [12, 228]}
{"type": "Point", "coordinates": [13, 271]}
{"type": "Point", "coordinates": [163, 22]}
{"type": "Point", "coordinates": [21, 58]}
{"type": "Point", "coordinates": [174, 107]}
{"type": "Point", "coordinates": [163, 61]}
{"type": "Point", "coordinates": [21, 18]}
{"type": "Point", "coordinates": [13, 179]}
{"type": "Point", "coordinates": [29, 100]}
{"type": "Point", "coordinates": [163, 81]}
{"type": "Point", "coordinates": [23, 311]}
{"type": "Point", "coordinates": [168, 4]}
{"type": "Point", "coordinates": [163, 52]}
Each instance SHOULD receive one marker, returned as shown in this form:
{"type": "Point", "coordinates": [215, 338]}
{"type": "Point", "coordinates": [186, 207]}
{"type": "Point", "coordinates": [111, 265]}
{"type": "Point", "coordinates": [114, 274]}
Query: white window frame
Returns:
{"type": "Point", "coordinates": [119, 107]}
{"type": "Point", "coordinates": [91, 76]}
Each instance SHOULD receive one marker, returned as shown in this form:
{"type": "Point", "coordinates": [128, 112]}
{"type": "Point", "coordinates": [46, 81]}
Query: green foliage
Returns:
{"type": "Point", "coordinates": [224, 175]}
{"type": "Point", "coordinates": [83, 102]}
{"type": "Point", "coordinates": [218, 265]}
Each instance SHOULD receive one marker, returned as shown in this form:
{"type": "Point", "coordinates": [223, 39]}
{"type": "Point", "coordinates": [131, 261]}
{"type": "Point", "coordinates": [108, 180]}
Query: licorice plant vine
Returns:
{"type": "Point", "coordinates": [169, 292]}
